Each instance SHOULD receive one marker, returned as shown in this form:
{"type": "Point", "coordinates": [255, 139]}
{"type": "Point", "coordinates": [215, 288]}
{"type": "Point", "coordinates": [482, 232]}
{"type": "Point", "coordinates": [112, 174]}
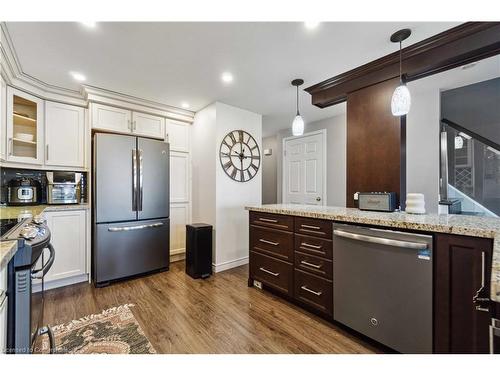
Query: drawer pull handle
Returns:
{"type": "Point", "coordinates": [269, 242]}
{"type": "Point", "coordinates": [309, 245]}
{"type": "Point", "coordinates": [268, 220]}
{"type": "Point", "coordinates": [275, 274]}
{"type": "Point", "coordinates": [303, 287]}
{"type": "Point", "coordinates": [305, 263]}
{"type": "Point", "coordinates": [310, 227]}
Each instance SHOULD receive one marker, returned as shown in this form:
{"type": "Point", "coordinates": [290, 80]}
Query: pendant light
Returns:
{"type": "Point", "coordinates": [298, 121]}
{"type": "Point", "coordinates": [401, 99]}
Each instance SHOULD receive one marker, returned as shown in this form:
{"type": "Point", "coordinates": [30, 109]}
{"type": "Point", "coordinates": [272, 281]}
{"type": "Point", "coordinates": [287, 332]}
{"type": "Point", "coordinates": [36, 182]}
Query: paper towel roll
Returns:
{"type": "Point", "coordinates": [415, 203]}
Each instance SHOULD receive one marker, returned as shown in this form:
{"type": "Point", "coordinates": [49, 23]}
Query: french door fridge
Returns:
{"type": "Point", "coordinates": [130, 206]}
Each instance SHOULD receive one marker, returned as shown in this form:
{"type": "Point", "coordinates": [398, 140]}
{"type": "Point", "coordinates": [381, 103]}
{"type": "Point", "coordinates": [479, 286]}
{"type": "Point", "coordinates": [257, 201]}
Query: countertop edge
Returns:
{"type": "Point", "coordinates": [7, 251]}
{"type": "Point", "coordinates": [491, 233]}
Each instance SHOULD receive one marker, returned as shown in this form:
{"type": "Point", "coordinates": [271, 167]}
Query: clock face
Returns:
{"type": "Point", "coordinates": [239, 155]}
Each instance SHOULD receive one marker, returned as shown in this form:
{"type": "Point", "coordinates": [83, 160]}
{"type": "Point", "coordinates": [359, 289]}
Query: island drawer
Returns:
{"type": "Point", "coordinates": [272, 272]}
{"type": "Point", "coordinates": [314, 291]}
{"type": "Point", "coordinates": [315, 265]}
{"type": "Point", "coordinates": [313, 227]}
{"type": "Point", "coordinates": [281, 222]}
{"type": "Point", "coordinates": [315, 246]}
{"type": "Point", "coordinates": [272, 242]}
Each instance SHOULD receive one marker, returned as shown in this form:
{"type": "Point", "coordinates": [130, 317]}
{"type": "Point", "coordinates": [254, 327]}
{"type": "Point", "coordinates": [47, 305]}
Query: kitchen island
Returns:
{"type": "Point", "coordinates": [291, 249]}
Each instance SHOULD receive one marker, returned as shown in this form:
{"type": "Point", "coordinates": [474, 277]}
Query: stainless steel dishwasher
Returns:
{"type": "Point", "coordinates": [382, 285]}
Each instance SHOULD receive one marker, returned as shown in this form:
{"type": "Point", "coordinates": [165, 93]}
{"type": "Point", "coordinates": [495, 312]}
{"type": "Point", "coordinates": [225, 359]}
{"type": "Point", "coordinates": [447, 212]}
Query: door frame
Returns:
{"type": "Point", "coordinates": [321, 132]}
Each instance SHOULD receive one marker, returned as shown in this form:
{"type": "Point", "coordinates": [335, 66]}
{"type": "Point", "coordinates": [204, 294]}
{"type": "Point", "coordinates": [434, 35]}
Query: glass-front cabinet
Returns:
{"type": "Point", "coordinates": [24, 127]}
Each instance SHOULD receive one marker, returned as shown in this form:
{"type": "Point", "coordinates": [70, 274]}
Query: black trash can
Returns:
{"type": "Point", "coordinates": [199, 250]}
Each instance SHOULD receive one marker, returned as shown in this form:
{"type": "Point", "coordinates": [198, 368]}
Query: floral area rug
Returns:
{"type": "Point", "coordinates": [114, 331]}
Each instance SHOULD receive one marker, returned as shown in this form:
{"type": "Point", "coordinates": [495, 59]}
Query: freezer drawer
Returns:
{"type": "Point", "coordinates": [130, 248]}
{"type": "Point", "coordinates": [382, 283]}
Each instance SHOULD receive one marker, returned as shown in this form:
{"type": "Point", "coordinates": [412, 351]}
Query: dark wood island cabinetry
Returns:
{"type": "Point", "coordinates": [293, 255]}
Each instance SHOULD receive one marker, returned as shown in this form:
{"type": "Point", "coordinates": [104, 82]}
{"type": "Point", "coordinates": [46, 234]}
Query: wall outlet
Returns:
{"type": "Point", "coordinates": [356, 195]}
{"type": "Point", "coordinates": [257, 284]}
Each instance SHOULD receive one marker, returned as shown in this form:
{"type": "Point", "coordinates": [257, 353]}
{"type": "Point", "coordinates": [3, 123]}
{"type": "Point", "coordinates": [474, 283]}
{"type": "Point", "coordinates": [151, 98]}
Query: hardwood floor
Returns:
{"type": "Point", "coordinates": [218, 315]}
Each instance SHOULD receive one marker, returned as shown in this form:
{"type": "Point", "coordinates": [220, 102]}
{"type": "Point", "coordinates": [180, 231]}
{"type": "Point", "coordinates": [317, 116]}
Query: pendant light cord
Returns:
{"type": "Point", "coordinates": [400, 62]}
{"type": "Point", "coordinates": [298, 100]}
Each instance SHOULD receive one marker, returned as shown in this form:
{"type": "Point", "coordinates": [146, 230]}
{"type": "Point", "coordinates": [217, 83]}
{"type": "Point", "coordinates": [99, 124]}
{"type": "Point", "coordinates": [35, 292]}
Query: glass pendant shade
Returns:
{"type": "Point", "coordinates": [298, 125]}
{"type": "Point", "coordinates": [401, 101]}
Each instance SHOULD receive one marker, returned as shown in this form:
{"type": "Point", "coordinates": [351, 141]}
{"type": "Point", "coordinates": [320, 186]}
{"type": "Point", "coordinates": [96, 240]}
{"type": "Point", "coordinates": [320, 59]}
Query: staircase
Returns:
{"type": "Point", "coordinates": [473, 170]}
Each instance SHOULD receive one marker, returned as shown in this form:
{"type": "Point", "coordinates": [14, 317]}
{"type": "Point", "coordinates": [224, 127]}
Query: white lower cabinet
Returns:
{"type": "Point", "coordinates": [68, 236]}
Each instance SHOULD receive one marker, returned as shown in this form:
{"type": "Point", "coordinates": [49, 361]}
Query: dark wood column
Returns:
{"type": "Point", "coordinates": [376, 142]}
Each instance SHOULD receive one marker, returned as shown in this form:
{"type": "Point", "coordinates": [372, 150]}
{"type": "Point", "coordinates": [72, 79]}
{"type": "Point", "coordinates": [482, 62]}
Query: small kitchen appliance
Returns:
{"type": "Point", "coordinates": [63, 187]}
{"type": "Point", "coordinates": [23, 191]}
{"type": "Point", "coordinates": [377, 201]}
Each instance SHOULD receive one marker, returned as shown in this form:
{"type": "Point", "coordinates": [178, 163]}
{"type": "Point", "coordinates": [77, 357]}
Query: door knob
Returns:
{"type": "Point", "coordinates": [318, 198]}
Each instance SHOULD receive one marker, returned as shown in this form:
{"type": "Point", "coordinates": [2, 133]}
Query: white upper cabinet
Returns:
{"type": "Point", "coordinates": [177, 135]}
{"type": "Point", "coordinates": [111, 118]}
{"type": "Point", "coordinates": [3, 119]}
{"type": "Point", "coordinates": [25, 119]}
{"type": "Point", "coordinates": [148, 125]}
{"type": "Point", "coordinates": [121, 120]}
{"type": "Point", "coordinates": [64, 135]}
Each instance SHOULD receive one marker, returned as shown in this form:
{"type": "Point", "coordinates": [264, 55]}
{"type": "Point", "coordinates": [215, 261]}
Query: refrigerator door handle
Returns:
{"type": "Point", "coordinates": [141, 174]}
{"type": "Point", "coordinates": [136, 227]}
{"type": "Point", "coordinates": [134, 179]}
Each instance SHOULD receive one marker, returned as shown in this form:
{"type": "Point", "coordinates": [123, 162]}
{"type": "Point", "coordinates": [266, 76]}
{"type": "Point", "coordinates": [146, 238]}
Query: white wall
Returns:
{"type": "Point", "coordinates": [203, 165]}
{"type": "Point", "coordinates": [269, 170]}
{"type": "Point", "coordinates": [422, 144]}
{"type": "Point", "coordinates": [217, 199]}
{"type": "Point", "coordinates": [336, 142]}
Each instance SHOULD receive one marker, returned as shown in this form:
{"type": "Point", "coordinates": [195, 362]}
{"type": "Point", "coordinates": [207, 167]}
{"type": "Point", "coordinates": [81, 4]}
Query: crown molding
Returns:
{"type": "Point", "coordinates": [104, 96]}
{"type": "Point", "coordinates": [463, 44]}
{"type": "Point", "coordinates": [12, 72]}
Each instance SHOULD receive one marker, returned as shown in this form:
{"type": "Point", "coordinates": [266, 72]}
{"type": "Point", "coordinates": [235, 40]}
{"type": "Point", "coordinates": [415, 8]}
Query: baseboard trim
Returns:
{"type": "Point", "coordinates": [229, 264]}
{"type": "Point", "coordinates": [61, 282]}
{"type": "Point", "coordinates": [177, 257]}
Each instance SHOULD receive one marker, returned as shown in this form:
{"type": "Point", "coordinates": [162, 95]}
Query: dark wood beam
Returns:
{"type": "Point", "coordinates": [466, 43]}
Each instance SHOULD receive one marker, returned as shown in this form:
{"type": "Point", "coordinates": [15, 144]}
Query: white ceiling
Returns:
{"type": "Point", "coordinates": [172, 62]}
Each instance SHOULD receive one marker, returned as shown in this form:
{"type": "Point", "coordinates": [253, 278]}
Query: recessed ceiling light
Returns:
{"type": "Point", "coordinates": [90, 24]}
{"type": "Point", "coordinates": [78, 76]}
{"type": "Point", "coordinates": [227, 77]}
{"type": "Point", "coordinates": [185, 105]}
{"type": "Point", "coordinates": [311, 25]}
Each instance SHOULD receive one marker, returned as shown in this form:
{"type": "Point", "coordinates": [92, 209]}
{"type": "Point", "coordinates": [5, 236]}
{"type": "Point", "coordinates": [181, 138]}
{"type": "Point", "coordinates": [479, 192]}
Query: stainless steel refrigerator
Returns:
{"type": "Point", "coordinates": [131, 233]}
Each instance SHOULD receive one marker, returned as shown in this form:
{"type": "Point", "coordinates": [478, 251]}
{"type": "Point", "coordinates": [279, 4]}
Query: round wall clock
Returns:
{"type": "Point", "coordinates": [239, 155]}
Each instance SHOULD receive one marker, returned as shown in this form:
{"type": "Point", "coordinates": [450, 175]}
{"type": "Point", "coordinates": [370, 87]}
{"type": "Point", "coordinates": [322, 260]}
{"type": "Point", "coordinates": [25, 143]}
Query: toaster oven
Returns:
{"type": "Point", "coordinates": [63, 187]}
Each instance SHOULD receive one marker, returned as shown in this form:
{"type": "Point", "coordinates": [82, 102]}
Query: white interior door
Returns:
{"type": "Point", "coordinates": [304, 169]}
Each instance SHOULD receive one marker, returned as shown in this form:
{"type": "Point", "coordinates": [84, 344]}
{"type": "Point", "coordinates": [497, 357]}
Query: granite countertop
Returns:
{"type": "Point", "coordinates": [7, 251]}
{"type": "Point", "coordinates": [9, 248]}
{"type": "Point", "coordinates": [454, 224]}
{"type": "Point", "coordinates": [18, 212]}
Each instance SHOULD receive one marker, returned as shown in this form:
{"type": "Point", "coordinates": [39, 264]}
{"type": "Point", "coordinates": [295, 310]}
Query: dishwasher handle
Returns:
{"type": "Point", "coordinates": [380, 240]}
